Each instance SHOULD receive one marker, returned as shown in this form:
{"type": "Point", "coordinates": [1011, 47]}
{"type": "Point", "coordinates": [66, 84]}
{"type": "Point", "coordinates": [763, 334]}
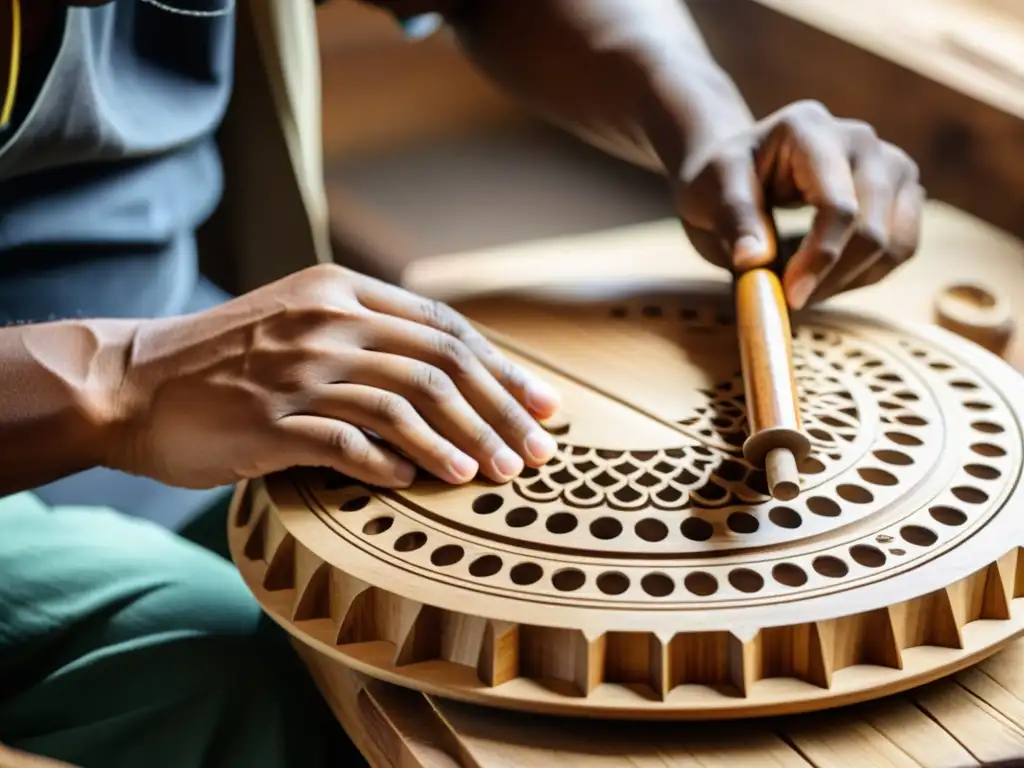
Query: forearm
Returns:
{"type": "Point", "coordinates": [622, 74]}
{"type": "Point", "coordinates": [58, 402]}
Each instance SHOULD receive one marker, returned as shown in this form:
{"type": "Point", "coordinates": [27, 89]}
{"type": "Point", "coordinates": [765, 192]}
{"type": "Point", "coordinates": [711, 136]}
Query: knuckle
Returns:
{"type": "Point", "coordinates": [511, 376]}
{"type": "Point", "coordinates": [862, 133]}
{"type": "Point", "coordinates": [512, 414]}
{"type": "Point", "coordinates": [873, 235]}
{"type": "Point", "coordinates": [842, 212]}
{"type": "Point", "coordinates": [485, 439]}
{"type": "Point", "coordinates": [808, 110]}
{"type": "Point", "coordinates": [432, 382]}
{"type": "Point", "coordinates": [439, 315]}
{"type": "Point", "coordinates": [456, 356]}
{"type": "Point", "coordinates": [902, 164]}
{"type": "Point", "coordinates": [391, 408]}
{"type": "Point", "coordinates": [349, 442]}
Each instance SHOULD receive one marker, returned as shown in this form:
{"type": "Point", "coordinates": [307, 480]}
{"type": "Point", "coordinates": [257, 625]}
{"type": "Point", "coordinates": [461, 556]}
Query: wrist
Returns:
{"type": "Point", "coordinates": [89, 360]}
{"type": "Point", "coordinates": [694, 105]}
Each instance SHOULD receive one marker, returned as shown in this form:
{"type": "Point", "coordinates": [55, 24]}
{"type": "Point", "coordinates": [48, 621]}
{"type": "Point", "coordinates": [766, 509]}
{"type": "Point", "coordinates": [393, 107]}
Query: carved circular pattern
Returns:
{"type": "Point", "coordinates": [915, 451]}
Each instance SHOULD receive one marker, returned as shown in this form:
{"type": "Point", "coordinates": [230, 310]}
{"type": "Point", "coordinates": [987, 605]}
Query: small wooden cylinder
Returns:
{"type": "Point", "coordinates": [777, 442]}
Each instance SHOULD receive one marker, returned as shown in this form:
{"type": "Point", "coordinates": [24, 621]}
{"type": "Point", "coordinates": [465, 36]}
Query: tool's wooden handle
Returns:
{"type": "Point", "coordinates": [777, 441]}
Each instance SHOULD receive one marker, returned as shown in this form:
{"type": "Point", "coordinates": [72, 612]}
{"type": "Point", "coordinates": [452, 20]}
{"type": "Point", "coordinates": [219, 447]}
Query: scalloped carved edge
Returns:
{"type": "Point", "coordinates": [317, 600]}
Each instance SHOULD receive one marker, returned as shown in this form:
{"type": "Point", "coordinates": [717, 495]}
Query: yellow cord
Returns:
{"type": "Point", "coordinates": [12, 76]}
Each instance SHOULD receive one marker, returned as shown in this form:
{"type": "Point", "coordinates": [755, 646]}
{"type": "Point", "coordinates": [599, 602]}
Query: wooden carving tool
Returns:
{"type": "Point", "coordinates": [777, 442]}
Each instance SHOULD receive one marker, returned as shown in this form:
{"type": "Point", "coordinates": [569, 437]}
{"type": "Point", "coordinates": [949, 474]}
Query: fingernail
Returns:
{"type": "Point", "coordinates": [749, 252]}
{"type": "Point", "coordinates": [405, 474]}
{"type": "Point", "coordinates": [541, 446]}
{"type": "Point", "coordinates": [462, 468]}
{"type": "Point", "coordinates": [507, 463]}
{"type": "Point", "coordinates": [801, 289]}
{"type": "Point", "coordinates": [541, 398]}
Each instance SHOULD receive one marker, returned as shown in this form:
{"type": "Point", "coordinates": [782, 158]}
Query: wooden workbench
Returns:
{"type": "Point", "coordinates": [976, 718]}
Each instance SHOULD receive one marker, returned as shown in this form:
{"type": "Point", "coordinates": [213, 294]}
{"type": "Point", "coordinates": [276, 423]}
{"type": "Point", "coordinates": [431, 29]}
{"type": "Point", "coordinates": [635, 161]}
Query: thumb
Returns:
{"type": "Point", "coordinates": [742, 220]}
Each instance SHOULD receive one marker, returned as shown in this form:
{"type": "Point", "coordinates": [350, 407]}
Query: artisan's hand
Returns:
{"type": "Point", "coordinates": [865, 191]}
{"type": "Point", "coordinates": [298, 372]}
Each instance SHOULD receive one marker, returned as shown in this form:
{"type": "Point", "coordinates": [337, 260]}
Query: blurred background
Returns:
{"type": "Point", "coordinates": [425, 157]}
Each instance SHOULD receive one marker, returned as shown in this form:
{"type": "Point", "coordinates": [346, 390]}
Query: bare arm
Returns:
{"type": "Point", "coordinates": [57, 397]}
{"type": "Point", "coordinates": [624, 75]}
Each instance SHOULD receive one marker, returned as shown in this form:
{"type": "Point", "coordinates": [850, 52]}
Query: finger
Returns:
{"type": "Point", "coordinates": [506, 416]}
{"type": "Point", "coordinates": [875, 181]}
{"type": "Point", "coordinates": [881, 269]}
{"type": "Point", "coordinates": [905, 233]}
{"type": "Point", "coordinates": [439, 402]}
{"type": "Point", "coordinates": [538, 396]}
{"type": "Point", "coordinates": [740, 219]}
{"type": "Point", "coordinates": [314, 441]}
{"type": "Point", "coordinates": [821, 171]}
{"type": "Point", "coordinates": [396, 421]}
{"type": "Point", "coordinates": [906, 221]}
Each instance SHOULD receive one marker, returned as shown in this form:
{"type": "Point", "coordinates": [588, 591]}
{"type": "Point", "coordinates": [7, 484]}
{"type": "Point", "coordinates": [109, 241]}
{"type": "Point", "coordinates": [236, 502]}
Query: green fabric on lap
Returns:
{"type": "Point", "coordinates": [122, 644]}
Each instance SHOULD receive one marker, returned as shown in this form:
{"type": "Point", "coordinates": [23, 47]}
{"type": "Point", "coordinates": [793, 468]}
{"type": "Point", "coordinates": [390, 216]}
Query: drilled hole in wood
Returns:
{"type": "Point", "coordinates": [520, 517]}
{"type": "Point", "coordinates": [948, 515]}
{"type": "Point", "coordinates": [963, 384]}
{"type": "Point", "coordinates": [989, 450]}
{"type": "Point", "coordinates": [701, 583]}
{"type": "Point", "coordinates": [378, 525]}
{"type": "Point", "coordinates": [895, 458]}
{"type": "Point", "coordinates": [605, 528]}
{"type": "Point", "coordinates": [485, 566]}
{"type": "Point", "coordinates": [487, 504]}
{"type": "Point", "coordinates": [652, 310]}
{"type": "Point", "coordinates": [789, 575]}
{"type": "Point", "coordinates": [651, 529]}
{"type": "Point", "coordinates": [868, 556]}
{"type": "Point", "coordinates": [978, 405]}
{"type": "Point", "coordinates": [525, 574]}
{"type": "Point", "coordinates": [940, 366]}
{"type": "Point", "coordinates": [902, 438]}
{"type": "Point", "coordinates": [911, 421]}
{"type": "Point", "coordinates": [877, 476]}
{"type": "Point", "coordinates": [561, 523]}
{"type": "Point", "coordinates": [746, 580]}
{"type": "Point", "coordinates": [784, 517]}
{"type": "Point", "coordinates": [613, 583]}
{"type": "Point", "coordinates": [918, 535]}
{"type": "Point", "coordinates": [696, 529]}
{"type": "Point", "coordinates": [988, 427]}
{"type": "Point", "coordinates": [970, 495]}
{"type": "Point", "coordinates": [855, 494]}
{"type": "Point", "coordinates": [742, 522]}
{"type": "Point", "coordinates": [822, 506]}
{"type": "Point", "coordinates": [811, 466]}
{"type": "Point", "coordinates": [568, 580]}
{"type": "Point", "coordinates": [410, 542]}
{"type": "Point", "coordinates": [657, 585]}
{"type": "Point", "coordinates": [355, 504]}
{"type": "Point", "coordinates": [447, 555]}
{"type": "Point", "coordinates": [831, 567]}
{"type": "Point", "coordinates": [982, 471]}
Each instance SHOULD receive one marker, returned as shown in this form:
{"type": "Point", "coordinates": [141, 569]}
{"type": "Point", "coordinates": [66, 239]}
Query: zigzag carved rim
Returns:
{"type": "Point", "coordinates": [621, 674]}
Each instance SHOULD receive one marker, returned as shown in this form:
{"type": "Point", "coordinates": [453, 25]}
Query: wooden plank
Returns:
{"type": "Point", "coordinates": [982, 730]}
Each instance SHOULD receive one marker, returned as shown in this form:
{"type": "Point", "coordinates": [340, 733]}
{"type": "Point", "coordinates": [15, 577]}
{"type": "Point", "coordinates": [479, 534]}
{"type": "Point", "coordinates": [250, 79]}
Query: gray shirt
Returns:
{"type": "Point", "coordinates": [110, 164]}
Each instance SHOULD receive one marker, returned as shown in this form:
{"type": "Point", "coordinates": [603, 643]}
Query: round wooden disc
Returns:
{"type": "Point", "coordinates": [645, 572]}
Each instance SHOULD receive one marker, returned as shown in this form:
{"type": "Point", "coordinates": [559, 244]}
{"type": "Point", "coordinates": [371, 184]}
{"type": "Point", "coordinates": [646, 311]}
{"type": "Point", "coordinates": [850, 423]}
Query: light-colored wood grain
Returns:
{"type": "Point", "coordinates": [899, 730]}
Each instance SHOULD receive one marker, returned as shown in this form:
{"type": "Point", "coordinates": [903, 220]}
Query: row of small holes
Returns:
{"type": "Point", "coordinates": [699, 583]}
